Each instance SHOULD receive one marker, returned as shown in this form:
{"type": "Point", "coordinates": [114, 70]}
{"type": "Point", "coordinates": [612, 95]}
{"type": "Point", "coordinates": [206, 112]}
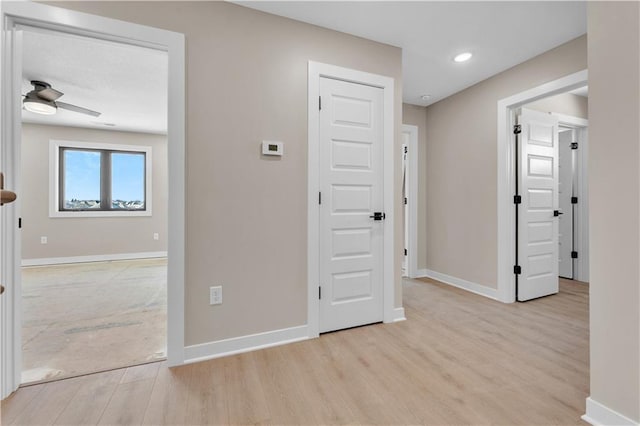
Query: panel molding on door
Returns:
{"type": "Point", "coordinates": [351, 175]}
{"type": "Point", "coordinates": [537, 222]}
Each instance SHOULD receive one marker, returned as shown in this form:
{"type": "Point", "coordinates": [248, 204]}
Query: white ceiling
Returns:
{"type": "Point", "coordinates": [127, 84]}
{"type": "Point", "coordinates": [499, 34]}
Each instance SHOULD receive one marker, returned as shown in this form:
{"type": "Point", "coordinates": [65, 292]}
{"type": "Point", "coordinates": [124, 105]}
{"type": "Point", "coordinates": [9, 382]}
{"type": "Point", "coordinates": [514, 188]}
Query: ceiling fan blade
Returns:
{"type": "Point", "coordinates": [49, 94]}
{"type": "Point", "coordinates": [75, 108]}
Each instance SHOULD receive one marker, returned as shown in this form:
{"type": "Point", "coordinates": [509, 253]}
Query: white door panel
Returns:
{"type": "Point", "coordinates": [351, 183]}
{"type": "Point", "coordinates": [565, 192]}
{"type": "Point", "coordinates": [538, 186]}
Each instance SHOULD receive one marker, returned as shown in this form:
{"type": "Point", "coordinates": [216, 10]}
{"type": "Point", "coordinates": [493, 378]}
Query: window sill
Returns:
{"type": "Point", "coordinates": [79, 214]}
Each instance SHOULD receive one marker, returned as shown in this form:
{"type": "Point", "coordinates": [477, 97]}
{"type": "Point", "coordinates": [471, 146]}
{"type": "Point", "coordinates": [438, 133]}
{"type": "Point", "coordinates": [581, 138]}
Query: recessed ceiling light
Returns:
{"type": "Point", "coordinates": [425, 97]}
{"type": "Point", "coordinates": [462, 57]}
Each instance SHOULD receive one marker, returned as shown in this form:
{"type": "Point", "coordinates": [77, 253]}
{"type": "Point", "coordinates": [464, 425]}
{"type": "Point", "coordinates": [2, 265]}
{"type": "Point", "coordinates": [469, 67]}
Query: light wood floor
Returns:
{"type": "Point", "coordinates": [458, 359]}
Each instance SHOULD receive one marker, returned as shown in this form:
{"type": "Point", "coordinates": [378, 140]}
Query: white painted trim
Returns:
{"type": "Point", "coordinates": [315, 71]}
{"type": "Point", "coordinates": [398, 315]}
{"type": "Point", "coordinates": [479, 289]}
{"type": "Point", "coordinates": [600, 415]}
{"type": "Point", "coordinates": [412, 199]}
{"type": "Point", "coordinates": [506, 167]}
{"type": "Point", "coordinates": [58, 19]}
{"type": "Point", "coordinates": [421, 273]}
{"type": "Point", "coordinates": [97, 258]}
{"type": "Point", "coordinates": [11, 125]}
{"type": "Point", "coordinates": [54, 178]}
{"type": "Point", "coordinates": [237, 345]}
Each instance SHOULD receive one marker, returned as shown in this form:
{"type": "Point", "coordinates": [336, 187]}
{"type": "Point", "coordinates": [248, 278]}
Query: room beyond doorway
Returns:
{"type": "Point", "coordinates": [112, 324]}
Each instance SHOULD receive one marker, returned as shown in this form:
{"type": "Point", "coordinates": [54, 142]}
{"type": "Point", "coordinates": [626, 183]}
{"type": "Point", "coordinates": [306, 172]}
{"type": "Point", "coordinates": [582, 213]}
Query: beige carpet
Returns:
{"type": "Point", "coordinates": [88, 317]}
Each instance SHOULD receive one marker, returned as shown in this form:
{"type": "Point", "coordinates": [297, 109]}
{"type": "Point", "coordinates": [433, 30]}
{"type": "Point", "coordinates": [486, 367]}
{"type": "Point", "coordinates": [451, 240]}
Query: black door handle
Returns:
{"type": "Point", "coordinates": [557, 213]}
{"type": "Point", "coordinates": [378, 216]}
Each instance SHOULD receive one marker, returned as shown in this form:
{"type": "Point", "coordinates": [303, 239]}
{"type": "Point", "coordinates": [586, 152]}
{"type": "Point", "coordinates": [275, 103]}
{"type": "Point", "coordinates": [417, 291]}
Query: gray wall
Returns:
{"type": "Point", "coordinates": [246, 217]}
{"type": "Point", "coordinates": [614, 208]}
{"type": "Point", "coordinates": [462, 165]}
{"type": "Point", "coordinates": [417, 116]}
{"type": "Point", "coordinates": [87, 236]}
{"type": "Point", "coordinates": [564, 103]}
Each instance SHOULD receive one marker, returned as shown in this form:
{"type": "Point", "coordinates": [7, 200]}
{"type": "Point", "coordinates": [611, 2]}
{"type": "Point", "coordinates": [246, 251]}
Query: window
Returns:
{"type": "Point", "coordinates": [100, 179]}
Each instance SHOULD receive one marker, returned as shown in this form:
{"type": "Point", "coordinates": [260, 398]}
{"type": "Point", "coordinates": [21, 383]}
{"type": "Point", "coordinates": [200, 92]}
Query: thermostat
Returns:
{"type": "Point", "coordinates": [272, 148]}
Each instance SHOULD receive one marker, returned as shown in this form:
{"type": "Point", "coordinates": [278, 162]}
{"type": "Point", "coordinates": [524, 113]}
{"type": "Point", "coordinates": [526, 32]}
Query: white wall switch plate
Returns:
{"type": "Point", "coordinates": [156, 236]}
{"type": "Point", "coordinates": [43, 240]}
{"type": "Point", "coordinates": [215, 295]}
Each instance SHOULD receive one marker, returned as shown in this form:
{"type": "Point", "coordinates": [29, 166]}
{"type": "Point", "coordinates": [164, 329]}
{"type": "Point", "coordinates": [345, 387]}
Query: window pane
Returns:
{"type": "Point", "coordinates": [81, 179]}
{"type": "Point", "coordinates": [127, 181]}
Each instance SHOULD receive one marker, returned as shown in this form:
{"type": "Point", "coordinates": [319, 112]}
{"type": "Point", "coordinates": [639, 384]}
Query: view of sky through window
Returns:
{"type": "Point", "coordinates": [82, 179]}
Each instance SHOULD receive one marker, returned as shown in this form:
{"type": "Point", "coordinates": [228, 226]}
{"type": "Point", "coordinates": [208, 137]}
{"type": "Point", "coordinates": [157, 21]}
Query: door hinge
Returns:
{"type": "Point", "coordinates": [319, 292]}
{"type": "Point", "coordinates": [319, 197]}
{"type": "Point", "coordinates": [319, 102]}
{"type": "Point", "coordinates": [574, 254]}
{"type": "Point", "coordinates": [405, 200]}
{"type": "Point", "coordinates": [574, 200]}
{"type": "Point", "coordinates": [574, 145]}
{"type": "Point", "coordinates": [517, 199]}
{"type": "Point", "coordinates": [406, 149]}
{"type": "Point", "coordinates": [517, 269]}
{"type": "Point", "coordinates": [19, 223]}
{"type": "Point", "coordinates": [405, 252]}
{"type": "Point", "coordinates": [517, 129]}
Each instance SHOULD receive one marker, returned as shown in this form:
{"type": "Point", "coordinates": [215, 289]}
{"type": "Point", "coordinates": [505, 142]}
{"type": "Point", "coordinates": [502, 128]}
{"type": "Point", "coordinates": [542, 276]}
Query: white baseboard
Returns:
{"type": "Point", "coordinates": [482, 290]}
{"type": "Point", "coordinates": [398, 315]}
{"type": "Point", "coordinates": [421, 273]}
{"type": "Point", "coordinates": [97, 258]}
{"type": "Point", "coordinates": [242, 344]}
{"type": "Point", "coordinates": [601, 415]}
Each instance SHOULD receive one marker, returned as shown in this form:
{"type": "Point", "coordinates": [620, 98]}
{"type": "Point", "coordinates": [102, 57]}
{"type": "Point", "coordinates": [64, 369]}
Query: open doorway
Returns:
{"type": "Point", "coordinates": [94, 190]}
{"type": "Point", "coordinates": [552, 197]}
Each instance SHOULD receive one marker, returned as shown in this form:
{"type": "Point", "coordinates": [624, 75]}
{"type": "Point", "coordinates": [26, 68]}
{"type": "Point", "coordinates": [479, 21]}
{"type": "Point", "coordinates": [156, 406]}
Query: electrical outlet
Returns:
{"type": "Point", "coordinates": [43, 240]}
{"type": "Point", "coordinates": [215, 295]}
{"type": "Point", "coordinates": [156, 236]}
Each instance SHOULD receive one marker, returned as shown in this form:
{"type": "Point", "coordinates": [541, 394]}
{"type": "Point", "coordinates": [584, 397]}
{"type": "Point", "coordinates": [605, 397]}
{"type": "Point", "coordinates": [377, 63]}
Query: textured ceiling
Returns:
{"type": "Point", "coordinates": [499, 34]}
{"type": "Point", "coordinates": [127, 84]}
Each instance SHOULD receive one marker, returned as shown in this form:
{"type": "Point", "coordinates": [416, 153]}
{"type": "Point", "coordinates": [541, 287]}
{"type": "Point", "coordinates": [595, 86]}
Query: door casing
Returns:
{"type": "Point", "coordinates": [315, 71]}
{"type": "Point", "coordinates": [68, 21]}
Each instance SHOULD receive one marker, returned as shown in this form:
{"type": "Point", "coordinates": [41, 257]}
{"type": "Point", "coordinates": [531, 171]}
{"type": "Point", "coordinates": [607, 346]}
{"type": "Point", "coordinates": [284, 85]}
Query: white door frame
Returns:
{"type": "Point", "coordinates": [317, 70]}
{"type": "Point", "coordinates": [581, 127]}
{"type": "Point", "coordinates": [412, 199]}
{"type": "Point", "coordinates": [44, 16]}
{"type": "Point", "coordinates": [506, 169]}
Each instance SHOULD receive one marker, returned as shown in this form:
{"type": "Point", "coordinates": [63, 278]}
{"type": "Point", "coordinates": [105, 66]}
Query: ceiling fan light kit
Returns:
{"type": "Point", "coordinates": [39, 106]}
{"type": "Point", "coordinates": [42, 100]}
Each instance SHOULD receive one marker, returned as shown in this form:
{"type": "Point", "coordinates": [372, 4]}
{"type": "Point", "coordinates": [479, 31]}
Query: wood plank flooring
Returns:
{"type": "Point", "coordinates": [458, 359]}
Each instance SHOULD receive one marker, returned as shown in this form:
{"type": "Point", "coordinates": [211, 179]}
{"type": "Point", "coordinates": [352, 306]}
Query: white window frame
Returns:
{"type": "Point", "coordinates": [54, 179]}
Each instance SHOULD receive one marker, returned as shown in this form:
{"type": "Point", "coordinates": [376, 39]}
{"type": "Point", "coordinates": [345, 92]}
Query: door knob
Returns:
{"type": "Point", "coordinates": [378, 216]}
{"type": "Point", "coordinates": [557, 213]}
{"type": "Point", "coordinates": [6, 196]}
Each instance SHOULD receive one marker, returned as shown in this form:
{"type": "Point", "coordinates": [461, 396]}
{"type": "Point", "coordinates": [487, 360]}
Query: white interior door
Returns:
{"type": "Point", "coordinates": [351, 184]}
{"type": "Point", "coordinates": [565, 192]}
{"type": "Point", "coordinates": [405, 207]}
{"type": "Point", "coordinates": [538, 187]}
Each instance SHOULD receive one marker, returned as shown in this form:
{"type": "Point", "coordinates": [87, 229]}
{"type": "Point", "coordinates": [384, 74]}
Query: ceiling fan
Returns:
{"type": "Point", "coordinates": [43, 100]}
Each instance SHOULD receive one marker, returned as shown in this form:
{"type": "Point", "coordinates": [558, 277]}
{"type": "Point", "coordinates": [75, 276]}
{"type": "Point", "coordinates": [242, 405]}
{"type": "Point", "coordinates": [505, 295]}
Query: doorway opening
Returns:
{"type": "Point", "coordinates": [507, 185]}
{"type": "Point", "coordinates": [94, 223]}
{"type": "Point", "coordinates": [550, 202]}
{"type": "Point", "coordinates": [16, 16]}
{"type": "Point", "coordinates": [409, 155]}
